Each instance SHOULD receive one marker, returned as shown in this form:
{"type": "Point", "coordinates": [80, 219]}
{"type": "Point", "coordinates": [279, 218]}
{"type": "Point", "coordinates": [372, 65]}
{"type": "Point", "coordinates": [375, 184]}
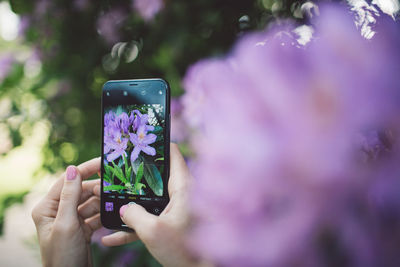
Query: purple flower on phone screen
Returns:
{"type": "Point", "coordinates": [124, 122]}
{"type": "Point", "coordinates": [118, 143]}
{"type": "Point", "coordinates": [142, 140]}
{"type": "Point", "coordinates": [140, 119]}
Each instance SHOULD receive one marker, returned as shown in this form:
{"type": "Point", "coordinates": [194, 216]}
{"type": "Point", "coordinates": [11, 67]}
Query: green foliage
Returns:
{"type": "Point", "coordinates": [153, 179]}
{"type": "Point", "coordinates": [6, 202]}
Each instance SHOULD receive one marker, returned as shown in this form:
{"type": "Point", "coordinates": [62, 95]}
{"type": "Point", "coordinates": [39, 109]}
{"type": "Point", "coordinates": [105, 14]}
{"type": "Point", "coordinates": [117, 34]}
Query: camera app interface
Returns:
{"type": "Point", "coordinates": [133, 152]}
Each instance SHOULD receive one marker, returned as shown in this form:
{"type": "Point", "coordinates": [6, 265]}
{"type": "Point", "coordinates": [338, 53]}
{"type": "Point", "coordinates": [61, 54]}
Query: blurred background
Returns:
{"type": "Point", "coordinates": [56, 55]}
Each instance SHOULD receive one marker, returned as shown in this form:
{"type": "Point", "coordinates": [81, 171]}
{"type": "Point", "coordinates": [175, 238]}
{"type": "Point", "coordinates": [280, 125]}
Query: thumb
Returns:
{"type": "Point", "coordinates": [70, 194]}
{"type": "Point", "coordinates": [137, 218]}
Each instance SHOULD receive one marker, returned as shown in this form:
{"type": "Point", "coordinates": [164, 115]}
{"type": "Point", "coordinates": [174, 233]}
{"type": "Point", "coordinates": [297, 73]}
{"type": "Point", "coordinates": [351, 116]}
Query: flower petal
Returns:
{"type": "Point", "coordinates": [135, 154]}
{"type": "Point", "coordinates": [149, 139]}
{"type": "Point", "coordinates": [149, 150]}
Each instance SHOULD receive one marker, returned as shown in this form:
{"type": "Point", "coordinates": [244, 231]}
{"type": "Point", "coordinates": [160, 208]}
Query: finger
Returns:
{"type": "Point", "coordinates": [96, 190]}
{"type": "Point", "coordinates": [138, 219]}
{"type": "Point", "coordinates": [94, 222]}
{"type": "Point", "coordinates": [179, 172]}
{"type": "Point", "coordinates": [86, 170]}
{"type": "Point", "coordinates": [87, 189]}
{"type": "Point", "coordinates": [90, 208]}
{"type": "Point", "coordinates": [70, 195]}
{"type": "Point", "coordinates": [118, 238]}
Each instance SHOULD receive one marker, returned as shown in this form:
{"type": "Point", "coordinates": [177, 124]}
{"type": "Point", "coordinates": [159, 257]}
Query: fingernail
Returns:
{"type": "Point", "coordinates": [122, 210]}
{"type": "Point", "coordinates": [71, 173]}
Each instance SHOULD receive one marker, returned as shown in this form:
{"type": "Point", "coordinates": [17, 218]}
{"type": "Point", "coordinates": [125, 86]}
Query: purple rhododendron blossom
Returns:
{"type": "Point", "coordinates": [6, 63]}
{"type": "Point", "coordinates": [179, 130]}
{"type": "Point", "coordinates": [118, 144]}
{"type": "Point", "coordinates": [115, 143]}
{"type": "Point", "coordinates": [141, 140]}
{"type": "Point", "coordinates": [297, 152]}
{"type": "Point", "coordinates": [148, 8]}
{"type": "Point", "coordinates": [108, 25]}
{"type": "Point", "coordinates": [123, 130]}
{"type": "Point", "coordinates": [139, 119]}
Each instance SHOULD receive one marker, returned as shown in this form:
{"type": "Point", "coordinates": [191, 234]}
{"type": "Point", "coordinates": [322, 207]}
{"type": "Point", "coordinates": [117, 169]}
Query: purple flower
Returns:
{"type": "Point", "coordinates": [108, 25]}
{"type": "Point", "coordinates": [139, 119]}
{"type": "Point", "coordinates": [115, 129]}
{"type": "Point", "coordinates": [278, 178]}
{"type": "Point", "coordinates": [179, 130]}
{"type": "Point", "coordinates": [123, 122]}
{"type": "Point", "coordinates": [141, 140]}
{"type": "Point", "coordinates": [148, 8]}
{"type": "Point", "coordinates": [118, 144]}
{"type": "Point", "coordinates": [5, 66]}
{"type": "Point", "coordinates": [81, 4]}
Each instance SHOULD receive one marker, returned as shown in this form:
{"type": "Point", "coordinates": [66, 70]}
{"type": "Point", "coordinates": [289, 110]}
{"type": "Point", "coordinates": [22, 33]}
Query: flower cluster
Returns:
{"type": "Point", "coordinates": [297, 162]}
{"type": "Point", "coordinates": [123, 131]}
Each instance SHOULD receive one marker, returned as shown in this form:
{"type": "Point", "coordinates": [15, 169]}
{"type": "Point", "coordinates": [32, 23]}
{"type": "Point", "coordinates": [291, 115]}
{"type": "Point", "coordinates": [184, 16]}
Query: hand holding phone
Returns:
{"type": "Point", "coordinates": [163, 235]}
{"type": "Point", "coordinates": [135, 147]}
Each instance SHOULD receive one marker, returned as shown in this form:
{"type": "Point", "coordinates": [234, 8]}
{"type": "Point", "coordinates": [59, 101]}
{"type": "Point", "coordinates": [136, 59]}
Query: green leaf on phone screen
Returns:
{"type": "Point", "coordinates": [139, 174]}
{"type": "Point", "coordinates": [118, 173]}
{"type": "Point", "coordinates": [139, 187]}
{"type": "Point", "coordinates": [153, 179]}
{"type": "Point", "coordinates": [114, 187]}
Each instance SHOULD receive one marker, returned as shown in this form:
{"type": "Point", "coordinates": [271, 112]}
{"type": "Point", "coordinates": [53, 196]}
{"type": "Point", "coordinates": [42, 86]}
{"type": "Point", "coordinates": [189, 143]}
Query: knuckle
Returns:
{"type": "Point", "coordinates": [61, 228]}
{"type": "Point", "coordinates": [65, 195]}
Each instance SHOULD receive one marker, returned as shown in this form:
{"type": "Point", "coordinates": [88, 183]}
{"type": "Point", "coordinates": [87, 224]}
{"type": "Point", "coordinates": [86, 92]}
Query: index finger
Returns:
{"type": "Point", "coordinates": [85, 169]}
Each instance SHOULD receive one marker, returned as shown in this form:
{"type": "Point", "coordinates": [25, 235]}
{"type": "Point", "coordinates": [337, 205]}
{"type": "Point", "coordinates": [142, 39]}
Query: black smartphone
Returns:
{"type": "Point", "coordinates": [135, 147]}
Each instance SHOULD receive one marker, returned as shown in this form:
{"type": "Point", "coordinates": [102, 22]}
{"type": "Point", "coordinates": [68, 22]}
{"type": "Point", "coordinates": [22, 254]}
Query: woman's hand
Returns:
{"type": "Point", "coordinates": [68, 215]}
{"type": "Point", "coordinates": [163, 235]}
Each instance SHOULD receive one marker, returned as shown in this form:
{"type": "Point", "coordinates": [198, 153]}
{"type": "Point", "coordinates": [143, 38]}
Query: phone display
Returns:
{"type": "Point", "coordinates": [135, 151]}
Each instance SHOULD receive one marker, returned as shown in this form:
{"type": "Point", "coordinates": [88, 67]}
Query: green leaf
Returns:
{"type": "Point", "coordinates": [139, 174]}
{"type": "Point", "coordinates": [118, 173]}
{"type": "Point", "coordinates": [109, 171]}
{"type": "Point", "coordinates": [153, 179]}
{"type": "Point", "coordinates": [139, 186]}
{"type": "Point", "coordinates": [126, 166]}
{"type": "Point", "coordinates": [107, 178]}
{"type": "Point", "coordinates": [162, 158]}
{"type": "Point", "coordinates": [114, 187]}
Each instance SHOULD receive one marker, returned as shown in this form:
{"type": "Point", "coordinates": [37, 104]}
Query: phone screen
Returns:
{"type": "Point", "coordinates": [135, 151]}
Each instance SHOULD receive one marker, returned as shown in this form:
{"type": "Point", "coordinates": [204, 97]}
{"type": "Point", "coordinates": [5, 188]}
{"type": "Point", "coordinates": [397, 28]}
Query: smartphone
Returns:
{"type": "Point", "coordinates": [135, 147]}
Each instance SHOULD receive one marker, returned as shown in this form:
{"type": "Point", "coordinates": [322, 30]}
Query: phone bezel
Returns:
{"type": "Point", "coordinates": [136, 84]}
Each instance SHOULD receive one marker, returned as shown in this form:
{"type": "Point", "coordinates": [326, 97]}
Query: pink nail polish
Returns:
{"type": "Point", "coordinates": [71, 173]}
{"type": "Point", "coordinates": [122, 210]}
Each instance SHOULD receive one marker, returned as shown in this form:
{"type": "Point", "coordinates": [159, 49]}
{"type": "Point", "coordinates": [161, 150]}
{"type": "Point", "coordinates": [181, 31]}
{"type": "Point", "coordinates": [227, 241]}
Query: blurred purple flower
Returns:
{"type": "Point", "coordinates": [6, 63]}
{"type": "Point", "coordinates": [24, 24]}
{"type": "Point", "coordinates": [278, 178]}
{"type": "Point", "coordinates": [148, 8]}
{"type": "Point", "coordinates": [179, 130]}
{"type": "Point", "coordinates": [98, 234]}
{"type": "Point", "coordinates": [109, 24]}
{"type": "Point", "coordinates": [141, 140]}
{"type": "Point", "coordinates": [126, 258]}
{"type": "Point", "coordinates": [42, 7]}
{"type": "Point", "coordinates": [81, 4]}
